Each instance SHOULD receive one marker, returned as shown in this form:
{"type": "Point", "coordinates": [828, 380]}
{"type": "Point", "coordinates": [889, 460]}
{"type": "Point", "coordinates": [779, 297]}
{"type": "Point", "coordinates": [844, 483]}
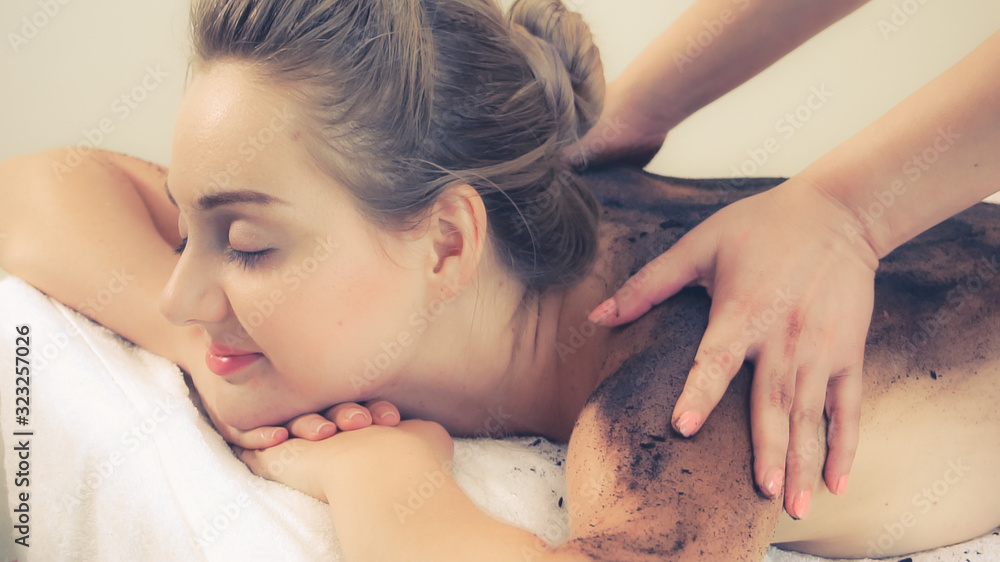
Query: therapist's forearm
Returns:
{"type": "Point", "coordinates": [717, 45]}
{"type": "Point", "coordinates": [934, 155]}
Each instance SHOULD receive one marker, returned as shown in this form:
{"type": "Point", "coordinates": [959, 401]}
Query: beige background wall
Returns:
{"type": "Point", "coordinates": [68, 77]}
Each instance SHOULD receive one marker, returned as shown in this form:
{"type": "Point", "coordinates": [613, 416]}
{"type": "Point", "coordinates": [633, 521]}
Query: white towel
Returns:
{"type": "Point", "coordinates": [124, 467]}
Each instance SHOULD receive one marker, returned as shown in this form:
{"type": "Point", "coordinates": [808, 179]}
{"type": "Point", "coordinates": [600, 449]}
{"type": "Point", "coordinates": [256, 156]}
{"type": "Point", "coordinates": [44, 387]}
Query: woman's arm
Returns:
{"type": "Point", "coordinates": [392, 497]}
{"type": "Point", "coordinates": [407, 506]}
{"type": "Point", "coordinates": [97, 237]}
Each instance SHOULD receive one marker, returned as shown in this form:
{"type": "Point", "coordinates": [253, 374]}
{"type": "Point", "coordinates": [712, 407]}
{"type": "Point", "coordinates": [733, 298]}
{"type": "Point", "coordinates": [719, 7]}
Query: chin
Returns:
{"type": "Point", "coordinates": [244, 416]}
{"type": "Point", "coordinates": [242, 421]}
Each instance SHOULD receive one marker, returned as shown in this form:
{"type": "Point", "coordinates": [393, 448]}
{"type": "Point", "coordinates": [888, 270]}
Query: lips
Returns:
{"type": "Point", "coordinates": [224, 360]}
{"type": "Point", "coordinates": [229, 364]}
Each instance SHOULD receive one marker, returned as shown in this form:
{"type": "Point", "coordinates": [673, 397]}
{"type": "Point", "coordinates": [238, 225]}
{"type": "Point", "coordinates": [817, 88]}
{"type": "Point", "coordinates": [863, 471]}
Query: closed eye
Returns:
{"type": "Point", "coordinates": [248, 260]}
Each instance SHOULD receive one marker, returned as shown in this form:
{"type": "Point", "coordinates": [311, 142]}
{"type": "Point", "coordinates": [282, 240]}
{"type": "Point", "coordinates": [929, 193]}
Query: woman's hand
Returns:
{"type": "Point", "coordinates": [791, 281]}
{"type": "Point", "coordinates": [313, 427]}
{"type": "Point", "coordinates": [315, 467]}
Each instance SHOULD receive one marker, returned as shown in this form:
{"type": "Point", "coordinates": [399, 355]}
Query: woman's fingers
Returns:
{"type": "Point", "coordinates": [315, 427]}
{"type": "Point", "coordinates": [843, 411]}
{"type": "Point", "coordinates": [383, 413]}
{"type": "Point", "coordinates": [806, 446]}
{"type": "Point", "coordinates": [312, 427]}
{"type": "Point", "coordinates": [719, 357]}
{"type": "Point", "coordinates": [656, 281]}
{"type": "Point", "coordinates": [345, 417]}
{"type": "Point", "coordinates": [259, 438]}
{"type": "Point", "coordinates": [349, 416]}
{"type": "Point", "coordinates": [772, 394]}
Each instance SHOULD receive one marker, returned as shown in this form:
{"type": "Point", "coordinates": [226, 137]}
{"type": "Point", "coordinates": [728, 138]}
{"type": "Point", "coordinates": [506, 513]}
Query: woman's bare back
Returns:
{"type": "Point", "coordinates": [924, 474]}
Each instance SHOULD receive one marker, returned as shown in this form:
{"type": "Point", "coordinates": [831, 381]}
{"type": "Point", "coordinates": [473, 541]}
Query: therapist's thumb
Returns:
{"type": "Point", "coordinates": [657, 281]}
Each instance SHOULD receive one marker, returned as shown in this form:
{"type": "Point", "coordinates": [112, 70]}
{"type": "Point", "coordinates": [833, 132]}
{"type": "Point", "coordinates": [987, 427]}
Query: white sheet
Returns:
{"type": "Point", "coordinates": [123, 466]}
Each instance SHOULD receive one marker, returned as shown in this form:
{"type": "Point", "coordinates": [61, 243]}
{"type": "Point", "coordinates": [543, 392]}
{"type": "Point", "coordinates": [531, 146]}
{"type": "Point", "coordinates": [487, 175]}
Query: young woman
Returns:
{"type": "Point", "coordinates": [368, 205]}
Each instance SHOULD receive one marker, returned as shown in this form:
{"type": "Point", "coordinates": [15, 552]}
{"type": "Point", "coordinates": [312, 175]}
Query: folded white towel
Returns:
{"type": "Point", "coordinates": [124, 467]}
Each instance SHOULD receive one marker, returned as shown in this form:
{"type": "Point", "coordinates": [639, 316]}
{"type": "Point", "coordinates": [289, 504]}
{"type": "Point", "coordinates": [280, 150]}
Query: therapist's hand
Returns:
{"type": "Point", "coordinates": [792, 286]}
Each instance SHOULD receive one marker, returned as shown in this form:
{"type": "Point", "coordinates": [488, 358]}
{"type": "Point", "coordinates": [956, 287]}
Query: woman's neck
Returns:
{"type": "Point", "coordinates": [518, 368]}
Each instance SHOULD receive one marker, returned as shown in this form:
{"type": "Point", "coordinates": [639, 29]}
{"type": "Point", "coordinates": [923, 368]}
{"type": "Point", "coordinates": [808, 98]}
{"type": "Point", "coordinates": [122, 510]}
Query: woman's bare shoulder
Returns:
{"type": "Point", "coordinates": [637, 490]}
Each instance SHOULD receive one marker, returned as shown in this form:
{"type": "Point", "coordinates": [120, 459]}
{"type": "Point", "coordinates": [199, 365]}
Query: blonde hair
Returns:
{"type": "Point", "coordinates": [404, 98]}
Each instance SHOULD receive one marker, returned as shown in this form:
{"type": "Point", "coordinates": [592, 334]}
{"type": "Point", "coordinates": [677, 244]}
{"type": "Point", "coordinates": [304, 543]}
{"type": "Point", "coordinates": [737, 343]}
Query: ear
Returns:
{"type": "Point", "coordinates": [457, 234]}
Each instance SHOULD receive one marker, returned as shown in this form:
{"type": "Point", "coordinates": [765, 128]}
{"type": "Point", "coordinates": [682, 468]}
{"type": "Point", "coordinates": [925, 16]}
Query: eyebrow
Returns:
{"type": "Point", "coordinates": [211, 201]}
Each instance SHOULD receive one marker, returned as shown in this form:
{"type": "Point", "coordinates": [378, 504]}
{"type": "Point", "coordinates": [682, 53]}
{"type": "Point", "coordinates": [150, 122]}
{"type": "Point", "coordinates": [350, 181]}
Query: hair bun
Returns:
{"type": "Point", "coordinates": [565, 60]}
{"type": "Point", "coordinates": [402, 99]}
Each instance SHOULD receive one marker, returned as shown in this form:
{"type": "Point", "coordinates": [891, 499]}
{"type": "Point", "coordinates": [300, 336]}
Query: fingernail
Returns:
{"type": "Point", "coordinates": [274, 434]}
{"type": "Point", "coordinates": [773, 482]}
{"type": "Point", "coordinates": [800, 505]}
{"type": "Point", "coordinates": [319, 427]}
{"type": "Point", "coordinates": [602, 312]}
{"type": "Point", "coordinates": [355, 414]}
{"type": "Point", "coordinates": [687, 424]}
{"type": "Point", "coordinates": [841, 486]}
{"type": "Point", "coordinates": [388, 415]}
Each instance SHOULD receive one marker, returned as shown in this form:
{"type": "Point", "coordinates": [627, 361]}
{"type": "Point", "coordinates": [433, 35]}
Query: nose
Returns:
{"type": "Point", "coordinates": [192, 295]}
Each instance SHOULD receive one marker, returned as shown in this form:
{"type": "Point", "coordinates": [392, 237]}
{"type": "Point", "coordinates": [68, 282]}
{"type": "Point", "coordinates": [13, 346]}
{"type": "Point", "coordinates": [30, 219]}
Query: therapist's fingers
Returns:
{"type": "Point", "coordinates": [657, 280]}
{"type": "Point", "coordinates": [311, 426]}
{"type": "Point", "coordinates": [806, 446]}
{"type": "Point", "coordinates": [843, 412]}
{"type": "Point", "coordinates": [717, 361]}
{"type": "Point", "coordinates": [772, 394]}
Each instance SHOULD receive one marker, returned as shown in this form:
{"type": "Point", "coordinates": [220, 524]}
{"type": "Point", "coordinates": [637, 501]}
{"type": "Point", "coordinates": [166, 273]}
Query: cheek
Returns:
{"type": "Point", "coordinates": [334, 319]}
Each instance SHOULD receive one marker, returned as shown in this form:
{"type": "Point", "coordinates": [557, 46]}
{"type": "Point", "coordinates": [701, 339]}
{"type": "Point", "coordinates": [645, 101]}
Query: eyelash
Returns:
{"type": "Point", "coordinates": [248, 260]}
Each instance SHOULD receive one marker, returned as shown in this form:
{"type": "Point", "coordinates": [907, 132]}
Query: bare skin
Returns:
{"type": "Point", "coordinates": [925, 405]}
{"type": "Point", "coordinates": [953, 414]}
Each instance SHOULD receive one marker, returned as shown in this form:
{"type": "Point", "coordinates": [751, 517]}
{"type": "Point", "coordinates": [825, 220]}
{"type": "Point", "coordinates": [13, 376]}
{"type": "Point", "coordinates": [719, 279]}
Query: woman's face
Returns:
{"type": "Point", "coordinates": [278, 261]}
